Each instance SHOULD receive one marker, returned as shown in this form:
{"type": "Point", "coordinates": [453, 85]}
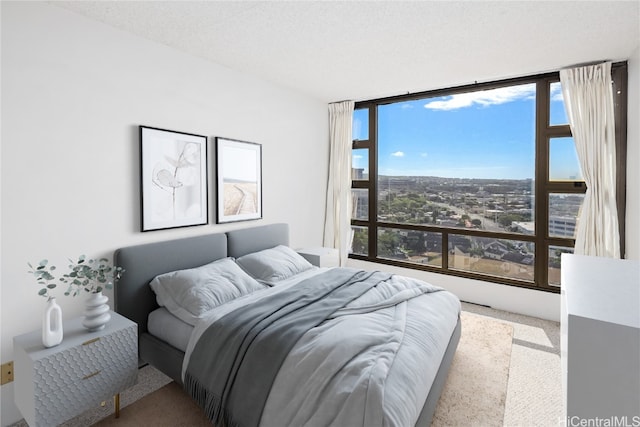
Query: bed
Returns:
{"type": "Point", "coordinates": [168, 343]}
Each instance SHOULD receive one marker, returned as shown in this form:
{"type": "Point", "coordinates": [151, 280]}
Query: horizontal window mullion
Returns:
{"type": "Point", "coordinates": [558, 131]}
{"type": "Point", "coordinates": [454, 90]}
{"type": "Point", "coordinates": [461, 231]}
{"type": "Point", "coordinates": [565, 187]}
{"type": "Point", "coordinates": [493, 234]}
{"type": "Point", "coordinates": [458, 273]}
{"type": "Point", "coordinates": [361, 257]}
{"type": "Point", "coordinates": [560, 241]}
{"type": "Point", "coordinates": [362, 143]}
{"type": "Point", "coordinates": [360, 184]}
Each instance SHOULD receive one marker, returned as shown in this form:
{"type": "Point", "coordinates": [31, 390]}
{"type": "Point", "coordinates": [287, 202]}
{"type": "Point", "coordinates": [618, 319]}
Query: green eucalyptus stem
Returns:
{"type": "Point", "coordinates": [89, 275]}
{"type": "Point", "coordinates": [43, 273]}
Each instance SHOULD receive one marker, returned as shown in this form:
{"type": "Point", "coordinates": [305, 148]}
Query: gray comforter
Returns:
{"type": "Point", "coordinates": [368, 363]}
{"type": "Point", "coordinates": [232, 382]}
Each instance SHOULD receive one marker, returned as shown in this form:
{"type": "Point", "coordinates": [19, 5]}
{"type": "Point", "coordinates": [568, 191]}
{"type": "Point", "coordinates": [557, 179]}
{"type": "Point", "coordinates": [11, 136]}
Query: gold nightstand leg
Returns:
{"type": "Point", "coordinates": [116, 403]}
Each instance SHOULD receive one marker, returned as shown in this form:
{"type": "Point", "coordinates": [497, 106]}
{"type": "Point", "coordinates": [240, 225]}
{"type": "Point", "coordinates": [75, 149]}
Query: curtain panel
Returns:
{"type": "Point", "coordinates": [337, 226]}
{"type": "Point", "coordinates": [588, 98]}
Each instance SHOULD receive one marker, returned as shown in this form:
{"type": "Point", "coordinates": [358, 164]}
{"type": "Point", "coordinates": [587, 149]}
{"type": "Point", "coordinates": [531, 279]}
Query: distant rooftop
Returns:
{"type": "Point", "coordinates": [527, 227]}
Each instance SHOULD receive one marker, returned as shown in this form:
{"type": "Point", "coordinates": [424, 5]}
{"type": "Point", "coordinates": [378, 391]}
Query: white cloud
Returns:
{"type": "Point", "coordinates": [556, 92]}
{"type": "Point", "coordinates": [357, 156]}
{"type": "Point", "coordinates": [398, 154]}
{"type": "Point", "coordinates": [484, 97]}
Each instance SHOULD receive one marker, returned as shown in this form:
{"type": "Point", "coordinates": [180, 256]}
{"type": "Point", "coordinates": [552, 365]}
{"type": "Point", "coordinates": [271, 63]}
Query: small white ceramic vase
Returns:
{"type": "Point", "coordinates": [52, 324]}
{"type": "Point", "coordinates": [96, 314]}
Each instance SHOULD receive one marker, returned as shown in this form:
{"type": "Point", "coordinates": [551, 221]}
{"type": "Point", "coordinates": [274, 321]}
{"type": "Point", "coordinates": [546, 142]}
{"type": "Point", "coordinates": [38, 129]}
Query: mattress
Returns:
{"type": "Point", "coordinates": [169, 328]}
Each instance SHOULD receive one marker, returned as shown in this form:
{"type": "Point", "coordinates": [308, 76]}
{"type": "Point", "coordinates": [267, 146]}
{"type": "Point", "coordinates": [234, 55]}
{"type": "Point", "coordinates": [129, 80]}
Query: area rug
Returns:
{"type": "Point", "coordinates": [474, 394]}
{"type": "Point", "coordinates": [476, 389]}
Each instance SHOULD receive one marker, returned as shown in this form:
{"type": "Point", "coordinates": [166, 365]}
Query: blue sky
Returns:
{"type": "Point", "coordinates": [484, 134]}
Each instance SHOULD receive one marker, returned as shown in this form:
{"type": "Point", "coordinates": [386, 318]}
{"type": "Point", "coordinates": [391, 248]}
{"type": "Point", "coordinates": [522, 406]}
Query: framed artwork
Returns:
{"type": "Point", "coordinates": [239, 180]}
{"type": "Point", "coordinates": [173, 179]}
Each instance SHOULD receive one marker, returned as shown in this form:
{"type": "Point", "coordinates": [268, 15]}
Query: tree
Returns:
{"type": "Point", "coordinates": [360, 242]}
{"type": "Point", "coordinates": [388, 242]}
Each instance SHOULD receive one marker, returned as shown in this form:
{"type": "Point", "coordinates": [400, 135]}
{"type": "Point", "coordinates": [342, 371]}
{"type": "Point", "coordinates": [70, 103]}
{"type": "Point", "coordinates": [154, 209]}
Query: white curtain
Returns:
{"type": "Point", "coordinates": [337, 224]}
{"type": "Point", "coordinates": [588, 98]}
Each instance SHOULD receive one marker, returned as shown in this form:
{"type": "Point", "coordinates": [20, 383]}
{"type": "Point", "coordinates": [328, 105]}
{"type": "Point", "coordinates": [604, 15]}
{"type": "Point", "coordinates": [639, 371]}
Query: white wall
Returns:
{"type": "Point", "coordinates": [73, 93]}
{"type": "Point", "coordinates": [632, 226]}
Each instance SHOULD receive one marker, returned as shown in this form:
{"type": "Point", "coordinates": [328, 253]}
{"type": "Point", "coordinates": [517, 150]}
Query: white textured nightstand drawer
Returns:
{"type": "Point", "coordinates": [74, 364]}
{"type": "Point", "coordinates": [52, 408]}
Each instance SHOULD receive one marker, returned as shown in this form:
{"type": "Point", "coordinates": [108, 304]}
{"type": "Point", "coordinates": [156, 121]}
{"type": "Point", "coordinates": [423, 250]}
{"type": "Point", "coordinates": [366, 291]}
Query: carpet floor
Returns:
{"type": "Point", "coordinates": [168, 407]}
{"type": "Point", "coordinates": [506, 371]}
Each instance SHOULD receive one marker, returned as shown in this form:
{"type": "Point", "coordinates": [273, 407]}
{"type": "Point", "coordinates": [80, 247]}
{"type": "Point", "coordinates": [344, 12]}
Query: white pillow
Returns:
{"type": "Point", "coordinates": [273, 265]}
{"type": "Point", "coordinates": [189, 294]}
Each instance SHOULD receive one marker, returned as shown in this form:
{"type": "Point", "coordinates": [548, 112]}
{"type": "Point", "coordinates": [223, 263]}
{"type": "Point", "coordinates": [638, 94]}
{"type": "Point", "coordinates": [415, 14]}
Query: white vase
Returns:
{"type": "Point", "coordinates": [52, 324]}
{"type": "Point", "coordinates": [96, 314]}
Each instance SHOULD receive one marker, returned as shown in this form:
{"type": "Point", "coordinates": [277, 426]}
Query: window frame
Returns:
{"type": "Point", "coordinates": [543, 187]}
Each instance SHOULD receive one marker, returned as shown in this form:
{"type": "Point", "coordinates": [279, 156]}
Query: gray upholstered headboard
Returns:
{"type": "Point", "coordinates": [133, 298]}
{"type": "Point", "coordinates": [247, 240]}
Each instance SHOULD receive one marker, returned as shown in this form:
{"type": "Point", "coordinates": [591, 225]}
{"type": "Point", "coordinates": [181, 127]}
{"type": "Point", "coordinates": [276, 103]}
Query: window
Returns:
{"type": "Point", "coordinates": [479, 181]}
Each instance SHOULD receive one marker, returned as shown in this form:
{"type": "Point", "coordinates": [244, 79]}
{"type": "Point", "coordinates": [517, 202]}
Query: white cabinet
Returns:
{"type": "Point", "coordinates": [55, 384]}
{"type": "Point", "coordinates": [600, 338]}
{"type": "Point", "coordinates": [321, 257]}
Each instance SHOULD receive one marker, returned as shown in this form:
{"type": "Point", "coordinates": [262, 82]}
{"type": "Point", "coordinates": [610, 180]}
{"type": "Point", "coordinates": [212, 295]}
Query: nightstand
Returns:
{"type": "Point", "coordinates": [55, 384]}
{"type": "Point", "coordinates": [321, 257]}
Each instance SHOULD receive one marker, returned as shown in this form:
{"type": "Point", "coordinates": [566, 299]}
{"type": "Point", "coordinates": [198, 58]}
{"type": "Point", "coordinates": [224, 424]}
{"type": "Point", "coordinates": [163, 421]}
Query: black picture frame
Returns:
{"type": "Point", "coordinates": [238, 180]}
{"type": "Point", "coordinates": [173, 179]}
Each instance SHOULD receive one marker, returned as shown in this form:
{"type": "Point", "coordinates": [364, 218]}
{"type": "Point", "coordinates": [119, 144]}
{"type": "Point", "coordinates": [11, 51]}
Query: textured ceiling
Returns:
{"type": "Point", "coordinates": [362, 50]}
